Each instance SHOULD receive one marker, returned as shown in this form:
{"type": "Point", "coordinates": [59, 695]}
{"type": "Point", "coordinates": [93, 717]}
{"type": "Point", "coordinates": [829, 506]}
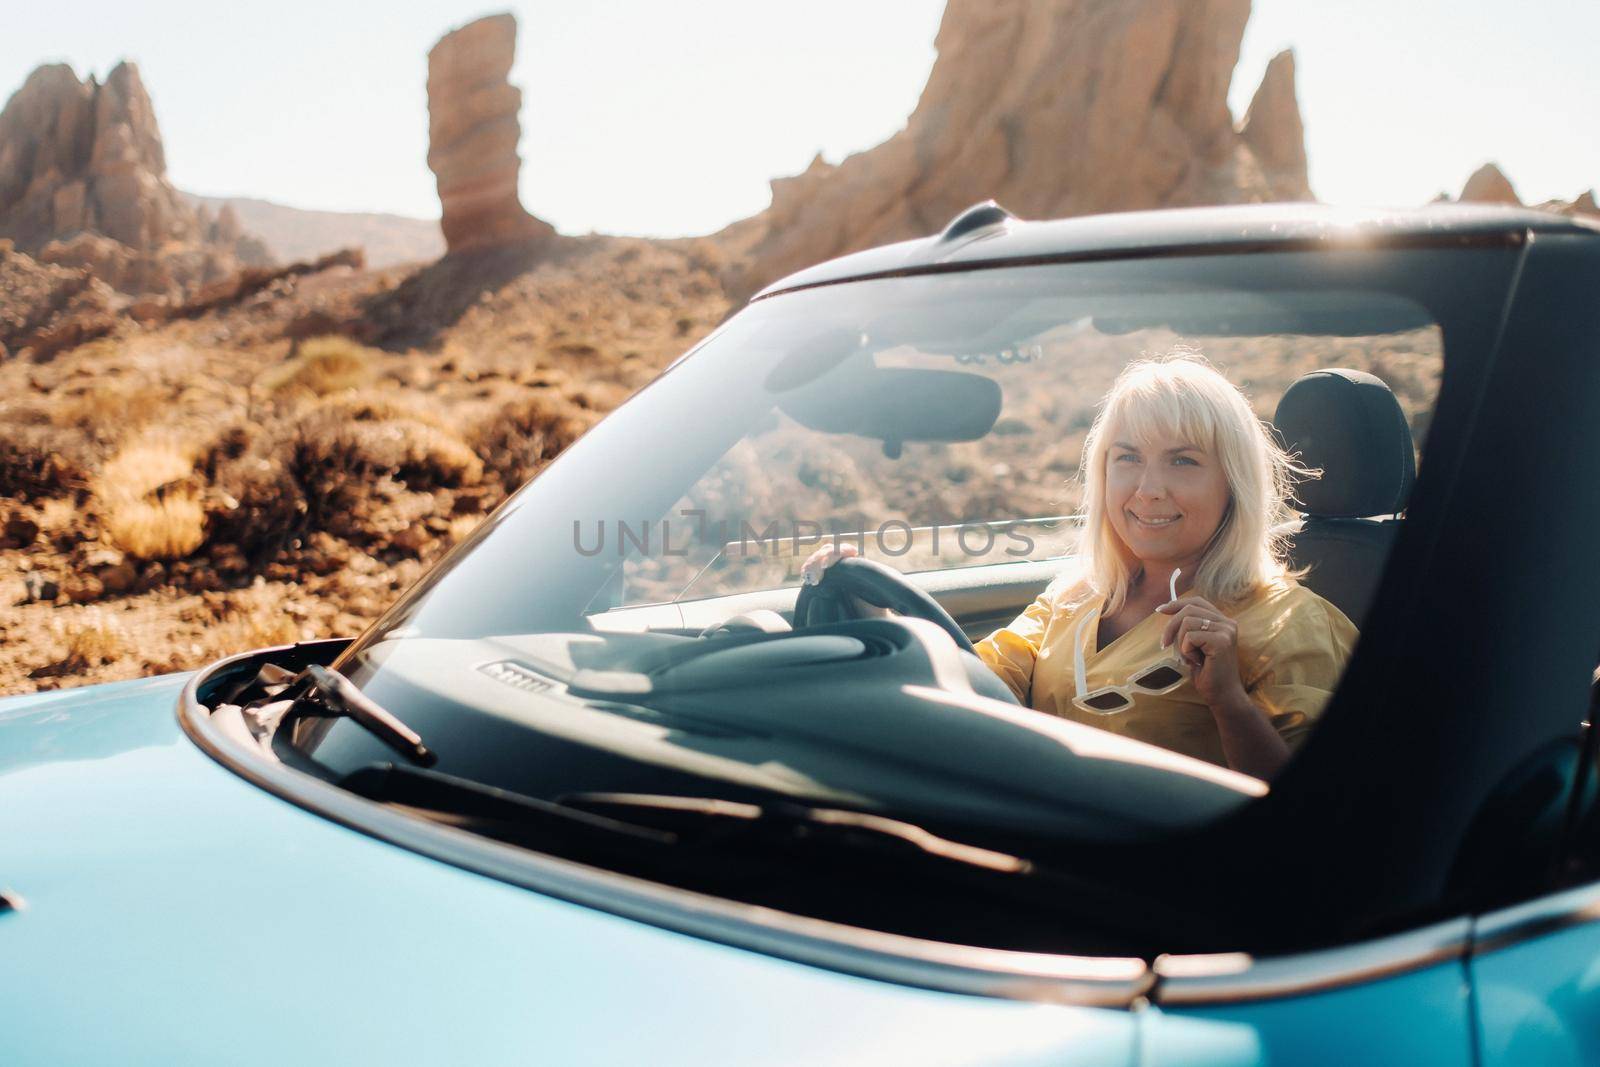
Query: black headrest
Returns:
{"type": "Point", "coordinates": [1349, 425]}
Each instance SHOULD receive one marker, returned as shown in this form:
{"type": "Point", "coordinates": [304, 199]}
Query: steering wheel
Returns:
{"type": "Point", "coordinates": [885, 587]}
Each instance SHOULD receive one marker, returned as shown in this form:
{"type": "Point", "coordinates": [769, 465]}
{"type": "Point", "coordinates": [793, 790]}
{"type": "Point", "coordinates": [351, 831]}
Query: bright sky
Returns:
{"type": "Point", "coordinates": [667, 119]}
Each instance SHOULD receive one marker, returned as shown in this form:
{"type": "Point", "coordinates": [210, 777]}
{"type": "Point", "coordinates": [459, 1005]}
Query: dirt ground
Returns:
{"type": "Point", "coordinates": [280, 468]}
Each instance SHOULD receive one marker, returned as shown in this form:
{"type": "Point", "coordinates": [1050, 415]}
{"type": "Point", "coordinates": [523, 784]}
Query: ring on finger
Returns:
{"type": "Point", "coordinates": [1205, 624]}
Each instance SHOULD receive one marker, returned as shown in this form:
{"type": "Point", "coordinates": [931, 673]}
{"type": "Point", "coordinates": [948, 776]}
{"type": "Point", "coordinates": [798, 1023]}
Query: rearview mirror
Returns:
{"type": "Point", "coordinates": [895, 405]}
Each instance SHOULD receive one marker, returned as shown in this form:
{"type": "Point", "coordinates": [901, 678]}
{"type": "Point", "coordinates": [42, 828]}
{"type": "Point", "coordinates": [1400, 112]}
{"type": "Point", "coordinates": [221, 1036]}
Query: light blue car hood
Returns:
{"type": "Point", "coordinates": [174, 912]}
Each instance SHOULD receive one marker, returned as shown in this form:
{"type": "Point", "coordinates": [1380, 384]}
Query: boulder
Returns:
{"type": "Point", "coordinates": [1053, 108]}
{"type": "Point", "coordinates": [473, 131]}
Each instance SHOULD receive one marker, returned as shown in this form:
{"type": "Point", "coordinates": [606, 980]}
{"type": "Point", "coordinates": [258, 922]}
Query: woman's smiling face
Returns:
{"type": "Point", "coordinates": [1165, 497]}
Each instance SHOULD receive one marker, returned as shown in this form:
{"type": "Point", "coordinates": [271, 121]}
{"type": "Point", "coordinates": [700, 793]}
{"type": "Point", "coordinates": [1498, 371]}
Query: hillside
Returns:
{"type": "Point", "coordinates": [279, 467]}
{"type": "Point", "coordinates": [292, 234]}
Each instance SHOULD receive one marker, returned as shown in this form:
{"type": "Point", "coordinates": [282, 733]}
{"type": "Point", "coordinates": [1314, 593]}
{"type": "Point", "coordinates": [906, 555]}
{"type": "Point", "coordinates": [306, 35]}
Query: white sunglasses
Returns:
{"type": "Point", "coordinates": [1160, 677]}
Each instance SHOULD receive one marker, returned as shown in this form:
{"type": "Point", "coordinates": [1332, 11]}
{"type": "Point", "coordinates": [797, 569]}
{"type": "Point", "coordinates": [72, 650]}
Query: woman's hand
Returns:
{"type": "Point", "coordinates": [812, 569]}
{"type": "Point", "coordinates": [819, 561]}
{"type": "Point", "coordinates": [1208, 641]}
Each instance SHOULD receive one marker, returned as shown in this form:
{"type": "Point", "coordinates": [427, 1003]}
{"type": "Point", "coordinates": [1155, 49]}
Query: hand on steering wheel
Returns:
{"type": "Point", "coordinates": [817, 564]}
{"type": "Point", "coordinates": [836, 582]}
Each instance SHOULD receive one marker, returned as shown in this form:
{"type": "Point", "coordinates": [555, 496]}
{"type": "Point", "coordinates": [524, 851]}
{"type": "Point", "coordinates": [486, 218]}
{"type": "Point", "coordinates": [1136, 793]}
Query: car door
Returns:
{"type": "Point", "coordinates": [1536, 964]}
{"type": "Point", "coordinates": [1399, 999]}
{"type": "Point", "coordinates": [1536, 977]}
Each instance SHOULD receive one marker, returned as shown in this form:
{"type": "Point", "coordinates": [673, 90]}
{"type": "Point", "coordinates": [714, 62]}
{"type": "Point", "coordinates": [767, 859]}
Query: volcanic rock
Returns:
{"type": "Point", "coordinates": [46, 307]}
{"type": "Point", "coordinates": [19, 531]}
{"type": "Point", "coordinates": [1581, 206]}
{"type": "Point", "coordinates": [472, 137]}
{"type": "Point", "coordinates": [1274, 133]}
{"type": "Point", "coordinates": [1489, 186]}
{"type": "Point", "coordinates": [83, 183]}
{"type": "Point", "coordinates": [1051, 107]}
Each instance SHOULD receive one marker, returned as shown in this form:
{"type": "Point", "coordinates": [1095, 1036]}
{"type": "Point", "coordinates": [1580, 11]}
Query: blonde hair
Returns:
{"type": "Point", "coordinates": [1183, 395]}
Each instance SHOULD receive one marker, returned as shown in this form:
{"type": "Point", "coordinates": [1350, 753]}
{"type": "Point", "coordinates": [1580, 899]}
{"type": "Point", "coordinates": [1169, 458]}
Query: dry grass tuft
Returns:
{"type": "Point", "coordinates": [370, 406]}
{"type": "Point", "coordinates": [148, 505]}
{"type": "Point", "coordinates": [252, 618]}
{"type": "Point", "coordinates": [89, 636]}
{"type": "Point", "coordinates": [321, 366]}
{"type": "Point", "coordinates": [105, 411]}
{"type": "Point", "coordinates": [143, 467]}
{"type": "Point", "coordinates": [156, 529]}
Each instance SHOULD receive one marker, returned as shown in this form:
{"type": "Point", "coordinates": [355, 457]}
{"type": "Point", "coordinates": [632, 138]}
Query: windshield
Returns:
{"type": "Point", "coordinates": [626, 624]}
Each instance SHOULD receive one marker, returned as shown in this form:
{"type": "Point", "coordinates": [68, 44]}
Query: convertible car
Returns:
{"type": "Point", "coordinates": [608, 785]}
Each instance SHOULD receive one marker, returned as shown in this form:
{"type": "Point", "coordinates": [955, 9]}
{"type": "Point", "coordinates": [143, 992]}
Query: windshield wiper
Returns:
{"type": "Point", "coordinates": [340, 696]}
{"type": "Point", "coordinates": [797, 820]}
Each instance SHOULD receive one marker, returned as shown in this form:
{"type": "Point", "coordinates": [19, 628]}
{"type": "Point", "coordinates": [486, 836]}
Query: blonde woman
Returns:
{"type": "Point", "coordinates": [1182, 627]}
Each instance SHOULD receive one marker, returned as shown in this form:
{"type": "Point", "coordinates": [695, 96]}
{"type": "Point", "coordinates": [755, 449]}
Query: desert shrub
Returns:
{"type": "Point", "coordinates": [525, 434]}
{"type": "Point", "coordinates": [377, 407]}
{"type": "Point", "coordinates": [106, 410]}
{"type": "Point", "coordinates": [38, 460]}
{"type": "Point", "coordinates": [256, 506]}
{"type": "Point", "coordinates": [350, 465]}
{"type": "Point", "coordinates": [148, 503]}
{"type": "Point", "coordinates": [320, 366]}
{"type": "Point", "coordinates": [420, 454]}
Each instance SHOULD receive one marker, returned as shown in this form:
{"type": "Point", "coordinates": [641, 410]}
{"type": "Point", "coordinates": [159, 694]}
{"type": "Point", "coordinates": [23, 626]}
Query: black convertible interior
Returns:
{"type": "Point", "coordinates": [1345, 423]}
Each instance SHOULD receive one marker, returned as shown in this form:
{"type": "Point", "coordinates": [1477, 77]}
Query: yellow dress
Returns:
{"type": "Point", "coordinates": [1293, 646]}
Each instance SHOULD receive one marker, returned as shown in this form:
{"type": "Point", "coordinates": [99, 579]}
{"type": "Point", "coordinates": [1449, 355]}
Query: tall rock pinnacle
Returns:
{"type": "Point", "coordinates": [1273, 130]}
{"type": "Point", "coordinates": [472, 136]}
{"type": "Point", "coordinates": [1489, 185]}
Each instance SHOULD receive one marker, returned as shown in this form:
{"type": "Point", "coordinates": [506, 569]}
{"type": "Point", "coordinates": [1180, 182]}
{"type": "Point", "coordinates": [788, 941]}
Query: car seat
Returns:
{"type": "Point", "coordinates": [1349, 425]}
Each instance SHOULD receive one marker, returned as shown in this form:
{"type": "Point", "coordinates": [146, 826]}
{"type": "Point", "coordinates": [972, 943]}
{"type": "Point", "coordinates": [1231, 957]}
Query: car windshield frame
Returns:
{"type": "Point", "coordinates": [465, 593]}
{"type": "Point", "coordinates": [1467, 286]}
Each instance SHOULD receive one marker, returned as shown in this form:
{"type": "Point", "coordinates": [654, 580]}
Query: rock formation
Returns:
{"type": "Point", "coordinates": [83, 183]}
{"type": "Point", "coordinates": [1582, 206]}
{"type": "Point", "coordinates": [1489, 186]}
{"type": "Point", "coordinates": [1274, 133]}
{"type": "Point", "coordinates": [1052, 107]}
{"type": "Point", "coordinates": [472, 137]}
{"type": "Point", "coordinates": [45, 307]}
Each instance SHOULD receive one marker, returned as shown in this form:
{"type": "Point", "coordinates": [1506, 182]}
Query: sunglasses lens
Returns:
{"type": "Point", "coordinates": [1106, 702]}
{"type": "Point", "coordinates": [1161, 677]}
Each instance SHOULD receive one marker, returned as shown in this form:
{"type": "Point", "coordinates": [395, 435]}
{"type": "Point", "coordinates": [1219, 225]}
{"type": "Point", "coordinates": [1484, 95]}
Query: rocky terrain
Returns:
{"type": "Point", "coordinates": [202, 451]}
{"type": "Point", "coordinates": [83, 184]}
{"type": "Point", "coordinates": [1489, 185]}
{"type": "Point", "coordinates": [280, 465]}
{"type": "Point", "coordinates": [1053, 109]}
